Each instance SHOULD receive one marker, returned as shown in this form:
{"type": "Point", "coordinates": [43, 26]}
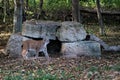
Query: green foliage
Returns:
{"type": "Point", "coordinates": [93, 69]}
{"type": "Point", "coordinates": [65, 76]}
{"type": "Point", "coordinates": [116, 3]}
{"type": "Point", "coordinates": [111, 3]}
{"type": "Point", "coordinates": [59, 9]}
{"type": "Point", "coordinates": [33, 4]}
{"type": "Point", "coordinates": [106, 68]}
{"type": "Point", "coordinates": [104, 3]}
{"type": "Point", "coordinates": [40, 74]}
{"type": "Point", "coordinates": [13, 78]}
{"type": "Point", "coordinates": [30, 75]}
{"type": "Point", "coordinates": [116, 67]}
{"type": "Point", "coordinates": [55, 5]}
{"type": "Point", "coordinates": [87, 3]}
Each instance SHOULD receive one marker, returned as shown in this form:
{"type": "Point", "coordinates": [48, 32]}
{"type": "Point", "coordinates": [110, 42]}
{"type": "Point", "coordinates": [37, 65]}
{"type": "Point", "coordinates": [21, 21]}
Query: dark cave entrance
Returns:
{"type": "Point", "coordinates": [53, 48]}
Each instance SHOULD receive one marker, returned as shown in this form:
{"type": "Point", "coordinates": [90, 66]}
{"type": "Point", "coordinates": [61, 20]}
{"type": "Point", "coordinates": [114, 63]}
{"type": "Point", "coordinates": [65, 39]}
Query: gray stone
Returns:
{"type": "Point", "coordinates": [71, 31]}
{"type": "Point", "coordinates": [13, 47]}
{"type": "Point", "coordinates": [87, 48]}
{"type": "Point", "coordinates": [113, 48]}
{"type": "Point", "coordinates": [40, 29]}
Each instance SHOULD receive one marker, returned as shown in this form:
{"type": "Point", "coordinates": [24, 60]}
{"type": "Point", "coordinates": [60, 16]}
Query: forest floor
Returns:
{"type": "Point", "coordinates": [58, 68]}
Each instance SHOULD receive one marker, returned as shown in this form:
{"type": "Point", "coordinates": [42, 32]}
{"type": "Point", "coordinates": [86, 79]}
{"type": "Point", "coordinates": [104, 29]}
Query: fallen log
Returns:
{"type": "Point", "coordinates": [113, 48]}
{"type": "Point", "coordinates": [93, 11]}
{"type": "Point", "coordinates": [105, 46]}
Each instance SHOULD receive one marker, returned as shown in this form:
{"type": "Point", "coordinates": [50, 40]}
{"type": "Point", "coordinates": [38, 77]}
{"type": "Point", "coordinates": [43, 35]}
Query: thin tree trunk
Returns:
{"type": "Point", "coordinates": [24, 10]}
{"type": "Point", "coordinates": [4, 19]}
{"type": "Point", "coordinates": [102, 32]}
{"type": "Point", "coordinates": [76, 10]}
{"type": "Point", "coordinates": [41, 4]}
{"type": "Point", "coordinates": [35, 9]}
{"type": "Point", "coordinates": [27, 4]}
{"type": "Point", "coordinates": [17, 16]}
{"type": "Point", "coordinates": [40, 9]}
{"type": "Point", "coordinates": [8, 7]}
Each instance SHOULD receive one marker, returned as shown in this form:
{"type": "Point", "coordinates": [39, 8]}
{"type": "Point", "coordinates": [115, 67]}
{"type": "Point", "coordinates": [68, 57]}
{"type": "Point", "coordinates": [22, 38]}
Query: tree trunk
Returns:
{"type": "Point", "coordinates": [8, 7]}
{"type": "Point", "coordinates": [76, 10]}
{"type": "Point", "coordinates": [40, 9]}
{"type": "Point", "coordinates": [41, 5]}
{"type": "Point", "coordinates": [24, 11]}
{"type": "Point", "coordinates": [27, 4]}
{"type": "Point", "coordinates": [4, 18]}
{"type": "Point", "coordinates": [35, 9]}
{"type": "Point", "coordinates": [18, 16]}
{"type": "Point", "coordinates": [102, 32]}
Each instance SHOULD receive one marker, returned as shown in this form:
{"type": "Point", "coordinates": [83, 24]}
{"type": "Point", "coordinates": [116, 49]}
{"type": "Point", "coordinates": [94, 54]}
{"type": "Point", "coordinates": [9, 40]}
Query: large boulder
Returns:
{"type": "Point", "coordinates": [71, 31]}
{"type": "Point", "coordinates": [13, 47]}
{"type": "Point", "coordinates": [86, 48]}
{"type": "Point", "coordinates": [40, 29]}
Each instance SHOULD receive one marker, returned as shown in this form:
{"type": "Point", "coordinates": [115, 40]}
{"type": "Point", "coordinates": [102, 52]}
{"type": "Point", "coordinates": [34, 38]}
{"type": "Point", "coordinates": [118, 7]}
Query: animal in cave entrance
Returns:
{"type": "Point", "coordinates": [31, 48]}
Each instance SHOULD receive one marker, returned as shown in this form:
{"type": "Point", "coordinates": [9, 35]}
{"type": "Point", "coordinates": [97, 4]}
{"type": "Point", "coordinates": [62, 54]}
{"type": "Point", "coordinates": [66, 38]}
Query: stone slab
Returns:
{"type": "Point", "coordinates": [40, 29]}
{"type": "Point", "coordinates": [86, 48]}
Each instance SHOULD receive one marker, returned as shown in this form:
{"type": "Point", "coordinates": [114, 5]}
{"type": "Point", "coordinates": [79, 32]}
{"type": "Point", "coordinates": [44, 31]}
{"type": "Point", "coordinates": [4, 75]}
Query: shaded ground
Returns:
{"type": "Point", "coordinates": [83, 68]}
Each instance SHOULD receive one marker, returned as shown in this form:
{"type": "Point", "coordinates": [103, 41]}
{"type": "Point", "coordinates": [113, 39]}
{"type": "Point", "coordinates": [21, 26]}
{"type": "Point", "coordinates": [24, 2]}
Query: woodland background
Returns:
{"type": "Point", "coordinates": [82, 68]}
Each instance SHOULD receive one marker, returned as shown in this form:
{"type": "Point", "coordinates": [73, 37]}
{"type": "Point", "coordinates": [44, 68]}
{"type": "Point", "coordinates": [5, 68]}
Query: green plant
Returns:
{"type": "Point", "coordinates": [12, 77]}
{"type": "Point", "coordinates": [30, 75]}
{"type": "Point", "coordinates": [116, 67]}
{"type": "Point", "coordinates": [104, 3]}
{"type": "Point", "coordinates": [93, 69]}
{"type": "Point", "coordinates": [56, 5]}
{"type": "Point", "coordinates": [65, 76]}
{"type": "Point", "coordinates": [106, 67]}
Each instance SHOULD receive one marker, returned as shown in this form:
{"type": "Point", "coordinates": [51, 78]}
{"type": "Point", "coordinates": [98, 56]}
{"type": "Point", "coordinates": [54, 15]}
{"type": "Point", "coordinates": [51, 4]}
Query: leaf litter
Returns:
{"type": "Point", "coordinates": [81, 68]}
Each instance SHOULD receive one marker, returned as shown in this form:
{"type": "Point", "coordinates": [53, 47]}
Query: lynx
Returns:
{"type": "Point", "coordinates": [31, 48]}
